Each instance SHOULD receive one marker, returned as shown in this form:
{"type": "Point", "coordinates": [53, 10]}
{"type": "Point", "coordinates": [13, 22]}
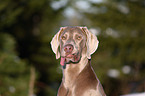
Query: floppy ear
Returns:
{"type": "Point", "coordinates": [55, 43]}
{"type": "Point", "coordinates": [92, 42]}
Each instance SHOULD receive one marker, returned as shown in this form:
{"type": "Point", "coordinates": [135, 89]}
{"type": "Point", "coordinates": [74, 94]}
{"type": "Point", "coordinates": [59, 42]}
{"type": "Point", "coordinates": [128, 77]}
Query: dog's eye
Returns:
{"type": "Point", "coordinates": [63, 37]}
{"type": "Point", "coordinates": [78, 37]}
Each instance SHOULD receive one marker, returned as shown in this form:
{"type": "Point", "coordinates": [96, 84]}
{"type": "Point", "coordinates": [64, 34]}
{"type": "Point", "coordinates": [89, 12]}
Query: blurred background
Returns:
{"type": "Point", "coordinates": [28, 66]}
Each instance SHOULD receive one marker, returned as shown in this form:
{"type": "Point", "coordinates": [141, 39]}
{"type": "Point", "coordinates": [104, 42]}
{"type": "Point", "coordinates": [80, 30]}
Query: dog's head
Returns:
{"type": "Point", "coordinates": [72, 42]}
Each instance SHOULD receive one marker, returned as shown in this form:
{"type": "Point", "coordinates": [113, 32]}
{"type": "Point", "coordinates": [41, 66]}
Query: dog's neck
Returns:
{"type": "Point", "coordinates": [72, 71]}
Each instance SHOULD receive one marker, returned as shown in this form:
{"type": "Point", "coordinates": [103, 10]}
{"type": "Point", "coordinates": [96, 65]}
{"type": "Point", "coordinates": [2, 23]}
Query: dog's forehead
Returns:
{"type": "Point", "coordinates": [71, 30]}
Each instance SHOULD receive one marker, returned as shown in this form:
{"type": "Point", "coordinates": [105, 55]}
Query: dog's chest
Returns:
{"type": "Point", "coordinates": [70, 76]}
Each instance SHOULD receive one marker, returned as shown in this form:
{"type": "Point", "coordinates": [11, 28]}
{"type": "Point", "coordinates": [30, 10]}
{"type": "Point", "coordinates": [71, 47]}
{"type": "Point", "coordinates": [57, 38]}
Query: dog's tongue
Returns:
{"type": "Point", "coordinates": [62, 61]}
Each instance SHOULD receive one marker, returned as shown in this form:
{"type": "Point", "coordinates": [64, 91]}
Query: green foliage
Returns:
{"type": "Point", "coordinates": [125, 48]}
{"type": "Point", "coordinates": [14, 74]}
{"type": "Point", "coordinates": [27, 27]}
{"type": "Point", "coordinates": [31, 24]}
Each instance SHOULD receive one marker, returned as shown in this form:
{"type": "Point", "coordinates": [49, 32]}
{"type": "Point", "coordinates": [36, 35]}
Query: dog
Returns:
{"type": "Point", "coordinates": [75, 45]}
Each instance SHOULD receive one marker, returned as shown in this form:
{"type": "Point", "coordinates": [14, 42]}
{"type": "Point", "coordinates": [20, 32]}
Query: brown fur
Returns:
{"type": "Point", "coordinates": [79, 79]}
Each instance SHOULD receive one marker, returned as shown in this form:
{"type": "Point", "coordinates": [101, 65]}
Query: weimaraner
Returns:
{"type": "Point", "coordinates": [75, 45]}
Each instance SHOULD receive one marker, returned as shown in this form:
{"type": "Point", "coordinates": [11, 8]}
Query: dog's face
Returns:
{"type": "Point", "coordinates": [70, 42]}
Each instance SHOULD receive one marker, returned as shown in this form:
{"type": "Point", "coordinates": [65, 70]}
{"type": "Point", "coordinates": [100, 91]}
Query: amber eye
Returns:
{"type": "Point", "coordinates": [63, 37]}
{"type": "Point", "coordinates": [79, 37]}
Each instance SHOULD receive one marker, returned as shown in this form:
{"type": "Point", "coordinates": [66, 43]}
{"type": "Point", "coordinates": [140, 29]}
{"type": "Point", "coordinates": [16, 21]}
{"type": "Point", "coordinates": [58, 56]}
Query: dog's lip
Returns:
{"type": "Point", "coordinates": [70, 58]}
{"type": "Point", "coordinates": [70, 55]}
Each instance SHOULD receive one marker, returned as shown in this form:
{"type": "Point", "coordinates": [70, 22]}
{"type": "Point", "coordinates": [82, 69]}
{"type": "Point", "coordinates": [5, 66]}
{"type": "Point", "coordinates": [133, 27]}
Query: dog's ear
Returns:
{"type": "Point", "coordinates": [55, 43]}
{"type": "Point", "coordinates": [92, 42]}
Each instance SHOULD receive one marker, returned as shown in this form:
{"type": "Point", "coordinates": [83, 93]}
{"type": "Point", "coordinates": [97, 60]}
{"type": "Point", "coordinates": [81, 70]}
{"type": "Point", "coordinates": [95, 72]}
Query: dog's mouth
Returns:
{"type": "Point", "coordinates": [70, 58]}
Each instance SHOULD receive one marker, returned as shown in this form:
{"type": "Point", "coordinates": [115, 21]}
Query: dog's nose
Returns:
{"type": "Point", "coordinates": [68, 48]}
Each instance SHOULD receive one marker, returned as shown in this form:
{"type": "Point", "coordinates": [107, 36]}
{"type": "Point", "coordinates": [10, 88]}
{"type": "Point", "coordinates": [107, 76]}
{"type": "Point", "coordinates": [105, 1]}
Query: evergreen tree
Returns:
{"type": "Point", "coordinates": [32, 24]}
{"type": "Point", "coordinates": [121, 44]}
{"type": "Point", "coordinates": [14, 72]}
{"type": "Point", "coordinates": [27, 28]}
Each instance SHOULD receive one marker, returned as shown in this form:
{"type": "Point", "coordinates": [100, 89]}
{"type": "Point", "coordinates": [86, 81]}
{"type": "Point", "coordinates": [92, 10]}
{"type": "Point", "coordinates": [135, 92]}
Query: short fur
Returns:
{"type": "Point", "coordinates": [79, 79]}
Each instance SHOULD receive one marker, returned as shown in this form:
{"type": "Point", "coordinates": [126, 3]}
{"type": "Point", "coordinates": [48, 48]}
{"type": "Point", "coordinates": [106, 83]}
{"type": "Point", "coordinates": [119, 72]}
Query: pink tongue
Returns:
{"type": "Point", "coordinates": [62, 61]}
